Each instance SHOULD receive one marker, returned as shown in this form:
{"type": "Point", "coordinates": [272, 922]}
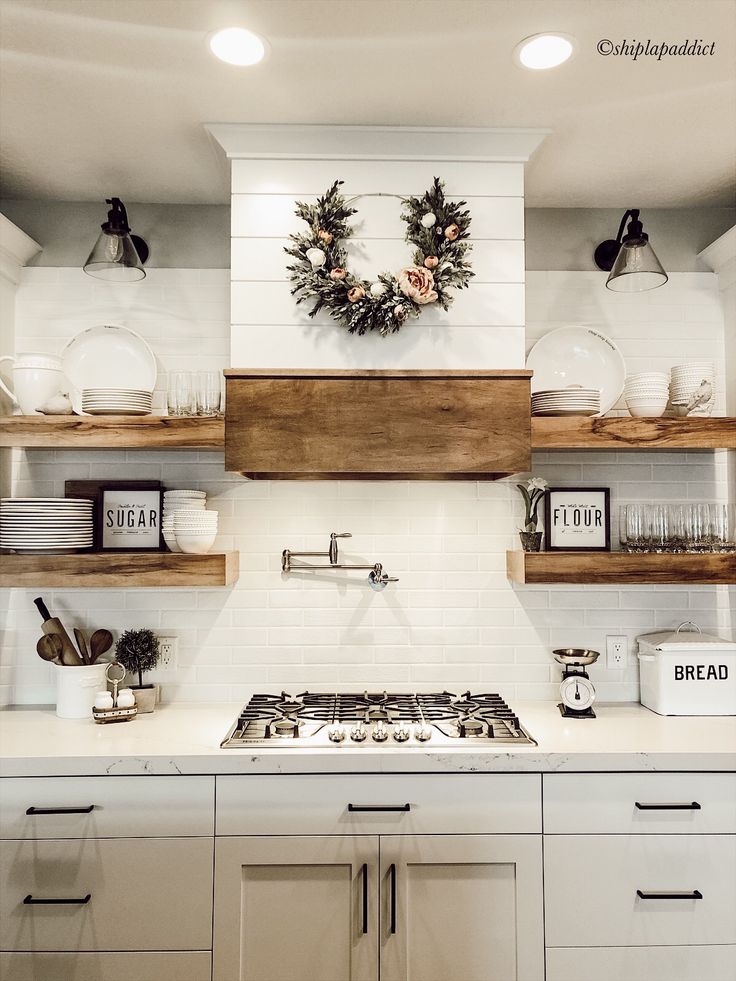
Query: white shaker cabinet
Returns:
{"type": "Point", "coordinates": [296, 909]}
{"type": "Point", "coordinates": [326, 908]}
{"type": "Point", "coordinates": [461, 908]}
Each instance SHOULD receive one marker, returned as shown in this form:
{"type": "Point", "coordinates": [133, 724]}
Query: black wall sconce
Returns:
{"type": "Point", "coordinates": [117, 256]}
{"type": "Point", "coordinates": [631, 261]}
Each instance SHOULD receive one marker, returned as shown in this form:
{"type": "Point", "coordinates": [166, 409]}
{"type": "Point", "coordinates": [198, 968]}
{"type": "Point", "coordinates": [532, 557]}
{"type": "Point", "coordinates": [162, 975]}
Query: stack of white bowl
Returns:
{"type": "Point", "coordinates": [187, 525]}
{"type": "Point", "coordinates": [647, 393]}
{"type": "Point", "coordinates": [687, 379]}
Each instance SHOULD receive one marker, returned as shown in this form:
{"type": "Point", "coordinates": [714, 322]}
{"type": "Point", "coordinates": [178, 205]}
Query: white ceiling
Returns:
{"type": "Point", "coordinates": [101, 97]}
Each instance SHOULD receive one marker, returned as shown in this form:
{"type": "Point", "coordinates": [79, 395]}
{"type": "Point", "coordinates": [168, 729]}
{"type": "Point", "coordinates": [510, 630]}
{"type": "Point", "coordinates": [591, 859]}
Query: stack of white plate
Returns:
{"type": "Point", "coordinates": [647, 393]}
{"type": "Point", "coordinates": [46, 524]}
{"type": "Point", "coordinates": [571, 401]}
{"type": "Point", "coordinates": [687, 379]}
{"type": "Point", "coordinates": [180, 500]}
{"type": "Point", "coordinates": [116, 401]}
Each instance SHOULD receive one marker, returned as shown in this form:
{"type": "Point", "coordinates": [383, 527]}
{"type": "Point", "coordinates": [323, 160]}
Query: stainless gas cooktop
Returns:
{"type": "Point", "coordinates": [334, 719]}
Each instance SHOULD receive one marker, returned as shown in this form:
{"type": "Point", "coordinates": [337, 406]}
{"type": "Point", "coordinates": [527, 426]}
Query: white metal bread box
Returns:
{"type": "Point", "coordinates": [687, 672]}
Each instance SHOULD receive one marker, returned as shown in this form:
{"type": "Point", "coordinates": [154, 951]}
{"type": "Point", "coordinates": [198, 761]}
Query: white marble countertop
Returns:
{"type": "Point", "coordinates": [185, 738]}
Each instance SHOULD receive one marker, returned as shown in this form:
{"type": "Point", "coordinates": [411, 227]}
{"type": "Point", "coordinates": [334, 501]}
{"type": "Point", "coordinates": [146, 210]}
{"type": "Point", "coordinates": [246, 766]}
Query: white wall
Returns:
{"type": "Point", "coordinates": [453, 619]}
{"type": "Point", "coordinates": [484, 327]}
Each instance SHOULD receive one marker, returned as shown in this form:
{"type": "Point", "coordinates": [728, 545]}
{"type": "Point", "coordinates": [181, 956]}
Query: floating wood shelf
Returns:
{"type": "Point", "coordinates": [621, 567]}
{"type": "Point", "coordinates": [113, 432]}
{"type": "Point", "coordinates": [627, 433]}
{"type": "Point", "coordinates": [123, 570]}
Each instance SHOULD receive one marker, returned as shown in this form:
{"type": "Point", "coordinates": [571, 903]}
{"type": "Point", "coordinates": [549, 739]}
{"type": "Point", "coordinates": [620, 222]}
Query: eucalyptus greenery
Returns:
{"type": "Point", "coordinates": [437, 230]}
{"type": "Point", "coordinates": [138, 651]}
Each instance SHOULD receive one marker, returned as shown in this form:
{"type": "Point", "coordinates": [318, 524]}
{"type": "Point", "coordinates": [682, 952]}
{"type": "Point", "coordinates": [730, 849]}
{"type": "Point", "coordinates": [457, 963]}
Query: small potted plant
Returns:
{"type": "Point", "coordinates": [138, 651]}
{"type": "Point", "coordinates": [533, 492]}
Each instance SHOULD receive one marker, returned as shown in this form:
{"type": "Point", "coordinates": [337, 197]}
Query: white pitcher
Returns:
{"type": "Point", "coordinates": [36, 377]}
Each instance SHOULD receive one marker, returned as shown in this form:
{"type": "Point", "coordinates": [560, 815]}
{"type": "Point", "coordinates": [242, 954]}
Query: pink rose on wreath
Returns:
{"type": "Point", "coordinates": [417, 284]}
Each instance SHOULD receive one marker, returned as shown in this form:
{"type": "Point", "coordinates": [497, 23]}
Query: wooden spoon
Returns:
{"type": "Point", "coordinates": [49, 647]}
{"type": "Point", "coordinates": [99, 643]}
{"type": "Point", "coordinates": [82, 645]}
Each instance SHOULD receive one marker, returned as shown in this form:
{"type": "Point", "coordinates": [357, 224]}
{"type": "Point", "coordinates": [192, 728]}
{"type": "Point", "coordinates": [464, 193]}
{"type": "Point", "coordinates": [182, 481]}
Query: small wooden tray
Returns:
{"type": "Point", "coordinates": [103, 716]}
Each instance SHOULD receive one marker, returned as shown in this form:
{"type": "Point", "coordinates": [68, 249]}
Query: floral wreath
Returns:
{"type": "Point", "coordinates": [435, 227]}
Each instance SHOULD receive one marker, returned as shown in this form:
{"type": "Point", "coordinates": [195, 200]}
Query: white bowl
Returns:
{"type": "Point", "coordinates": [653, 411]}
{"type": "Point", "coordinates": [196, 544]}
{"type": "Point", "coordinates": [171, 541]}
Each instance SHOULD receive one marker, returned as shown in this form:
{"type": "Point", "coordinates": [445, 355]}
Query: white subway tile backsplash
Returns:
{"type": "Point", "coordinates": [453, 619]}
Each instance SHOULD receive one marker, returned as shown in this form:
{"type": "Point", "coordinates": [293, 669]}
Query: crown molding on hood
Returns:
{"type": "Point", "coordinates": [300, 142]}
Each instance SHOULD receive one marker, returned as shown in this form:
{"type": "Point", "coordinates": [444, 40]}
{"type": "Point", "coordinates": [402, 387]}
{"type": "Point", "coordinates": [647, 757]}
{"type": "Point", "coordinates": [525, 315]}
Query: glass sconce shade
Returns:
{"type": "Point", "coordinates": [631, 260]}
{"type": "Point", "coordinates": [636, 268]}
{"type": "Point", "coordinates": [117, 255]}
{"type": "Point", "coordinates": [115, 259]}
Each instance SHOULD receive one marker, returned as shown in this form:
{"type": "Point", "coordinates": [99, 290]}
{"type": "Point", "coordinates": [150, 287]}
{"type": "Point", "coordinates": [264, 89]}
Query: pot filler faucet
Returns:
{"type": "Point", "coordinates": [377, 578]}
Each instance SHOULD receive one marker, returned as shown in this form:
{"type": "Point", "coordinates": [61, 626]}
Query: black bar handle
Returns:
{"type": "Point", "coordinates": [30, 901]}
{"type": "Point", "coordinates": [392, 876]}
{"type": "Point", "coordinates": [379, 807]}
{"type": "Point", "coordinates": [692, 806]}
{"type": "Point", "coordinates": [61, 810]}
{"type": "Point", "coordinates": [695, 894]}
{"type": "Point", "coordinates": [42, 608]}
{"type": "Point", "coordinates": [364, 875]}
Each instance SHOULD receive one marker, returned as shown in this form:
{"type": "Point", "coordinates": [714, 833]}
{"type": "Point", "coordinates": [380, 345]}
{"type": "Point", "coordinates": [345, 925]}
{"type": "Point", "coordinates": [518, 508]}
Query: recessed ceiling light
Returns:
{"type": "Point", "coordinates": [237, 46]}
{"type": "Point", "coordinates": [544, 50]}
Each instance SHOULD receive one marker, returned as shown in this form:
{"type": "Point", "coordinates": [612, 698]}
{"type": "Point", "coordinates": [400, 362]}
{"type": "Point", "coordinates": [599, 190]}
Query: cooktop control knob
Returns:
{"type": "Point", "coordinates": [336, 734]}
{"type": "Point", "coordinates": [401, 734]}
{"type": "Point", "coordinates": [358, 734]}
{"type": "Point", "coordinates": [423, 733]}
{"type": "Point", "coordinates": [380, 732]}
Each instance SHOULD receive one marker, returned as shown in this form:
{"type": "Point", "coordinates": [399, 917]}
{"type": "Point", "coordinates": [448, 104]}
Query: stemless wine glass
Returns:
{"type": "Point", "coordinates": [180, 396]}
{"type": "Point", "coordinates": [698, 536]}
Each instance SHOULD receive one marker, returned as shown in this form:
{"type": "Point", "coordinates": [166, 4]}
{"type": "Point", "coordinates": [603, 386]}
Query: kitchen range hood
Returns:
{"type": "Point", "coordinates": [370, 424]}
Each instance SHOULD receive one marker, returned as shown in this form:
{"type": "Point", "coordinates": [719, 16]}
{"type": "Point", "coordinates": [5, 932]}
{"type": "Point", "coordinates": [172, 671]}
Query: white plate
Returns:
{"type": "Point", "coordinates": [578, 356]}
{"type": "Point", "coordinates": [108, 356]}
{"type": "Point", "coordinates": [565, 412]}
{"type": "Point", "coordinates": [118, 412]}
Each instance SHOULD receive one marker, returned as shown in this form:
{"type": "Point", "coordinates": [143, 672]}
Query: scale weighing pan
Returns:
{"type": "Point", "coordinates": [576, 656]}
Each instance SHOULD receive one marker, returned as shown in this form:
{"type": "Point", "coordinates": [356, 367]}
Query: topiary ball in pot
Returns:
{"type": "Point", "coordinates": [138, 651]}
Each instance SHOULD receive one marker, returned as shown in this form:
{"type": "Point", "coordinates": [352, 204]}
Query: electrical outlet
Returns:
{"type": "Point", "coordinates": [617, 649]}
{"type": "Point", "coordinates": [169, 647]}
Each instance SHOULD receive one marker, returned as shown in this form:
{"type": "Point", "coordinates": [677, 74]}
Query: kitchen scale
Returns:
{"type": "Point", "coordinates": [576, 689]}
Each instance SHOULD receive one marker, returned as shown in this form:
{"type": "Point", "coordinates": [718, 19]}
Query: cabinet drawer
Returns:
{"type": "Point", "coordinates": [591, 883]}
{"type": "Point", "coordinates": [641, 963]}
{"type": "Point", "coordinates": [639, 803]}
{"type": "Point", "coordinates": [121, 807]}
{"type": "Point", "coordinates": [190, 965]}
{"type": "Point", "coordinates": [446, 804]}
{"type": "Point", "coordinates": [144, 894]}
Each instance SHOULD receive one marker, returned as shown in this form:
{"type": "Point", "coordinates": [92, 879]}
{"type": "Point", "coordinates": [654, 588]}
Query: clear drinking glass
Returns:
{"type": "Point", "coordinates": [659, 528]}
{"type": "Point", "coordinates": [638, 527]}
{"type": "Point", "coordinates": [698, 535]}
{"type": "Point", "coordinates": [209, 392]}
{"type": "Point", "coordinates": [180, 395]}
{"type": "Point", "coordinates": [723, 525]}
{"type": "Point", "coordinates": [623, 538]}
{"type": "Point", "coordinates": [676, 528]}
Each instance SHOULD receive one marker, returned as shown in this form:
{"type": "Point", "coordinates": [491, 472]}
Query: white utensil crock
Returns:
{"type": "Point", "coordinates": [76, 688]}
{"type": "Point", "coordinates": [36, 377]}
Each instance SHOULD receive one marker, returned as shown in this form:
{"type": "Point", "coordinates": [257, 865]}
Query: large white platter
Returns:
{"type": "Point", "coordinates": [109, 356]}
{"type": "Point", "coordinates": [578, 356]}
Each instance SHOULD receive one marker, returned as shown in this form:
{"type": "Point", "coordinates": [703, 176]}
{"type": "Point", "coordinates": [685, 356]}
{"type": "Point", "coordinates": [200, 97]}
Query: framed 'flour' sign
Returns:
{"type": "Point", "coordinates": [130, 518]}
{"type": "Point", "coordinates": [578, 519]}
